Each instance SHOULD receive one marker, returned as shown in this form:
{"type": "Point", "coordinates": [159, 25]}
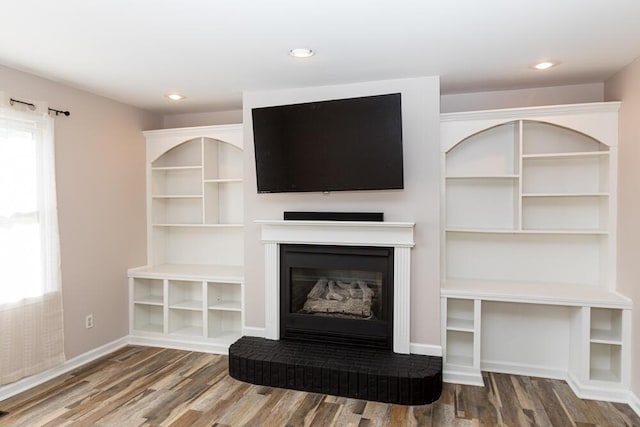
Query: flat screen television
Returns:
{"type": "Point", "coordinates": [336, 145]}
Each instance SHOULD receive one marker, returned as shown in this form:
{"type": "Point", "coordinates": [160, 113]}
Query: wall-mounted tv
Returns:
{"type": "Point", "coordinates": [336, 145]}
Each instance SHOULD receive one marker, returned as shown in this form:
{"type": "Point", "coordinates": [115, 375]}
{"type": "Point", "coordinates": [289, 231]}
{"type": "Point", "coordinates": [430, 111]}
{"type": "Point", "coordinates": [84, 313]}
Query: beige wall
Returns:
{"type": "Point", "coordinates": [202, 119]}
{"type": "Point", "coordinates": [419, 202]}
{"type": "Point", "coordinates": [571, 94]}
{"type": "Point", "coordinates": [100, 177]}
{"type": "Point", "coordinates": [625, 87]}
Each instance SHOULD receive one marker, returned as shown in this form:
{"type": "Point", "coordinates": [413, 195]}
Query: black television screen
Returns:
{"type": "Point", "coordinates": [343, 144]}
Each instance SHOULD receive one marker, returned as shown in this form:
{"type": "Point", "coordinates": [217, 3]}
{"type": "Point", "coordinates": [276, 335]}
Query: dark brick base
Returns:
{"type": "Point", "coordinates": [360, 373]}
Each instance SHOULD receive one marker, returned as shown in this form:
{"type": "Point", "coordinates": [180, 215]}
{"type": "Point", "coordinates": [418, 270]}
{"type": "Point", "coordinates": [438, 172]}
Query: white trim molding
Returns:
{"type": "Point", "coordinates": [595, 392]}
{"type": "Point", "coordinates": [164, 139]}
{"type": "Point", "coordinates": [523, 369]}
{"type": "Point", "coordinates": [536, 111]}
{"type": "Point", "coordinates": [460, 377]}
{"type": "Point", "coordinates": [401, 299]}
{"type": "Point", "coordinates": [250, 331]}
{"type": "Point", "coordinates": [426, 349]}
{"type": "Point", "coordinates": [354, 233]}
{"type": "Point", "coordinates": [398, 235]}
{"type": "Point", "coordinates": [27, 383]}
{"type": "Point", "coordinates": [634, 402]}
{"type": "Point", "coordinates": [164, 342]}
{"type": "Point", "coordinates": [272, 291]}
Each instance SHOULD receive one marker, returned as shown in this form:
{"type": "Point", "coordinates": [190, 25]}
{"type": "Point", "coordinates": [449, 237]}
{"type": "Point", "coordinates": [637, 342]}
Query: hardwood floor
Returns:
{"type": "Point", "coordinates": [145, 386]}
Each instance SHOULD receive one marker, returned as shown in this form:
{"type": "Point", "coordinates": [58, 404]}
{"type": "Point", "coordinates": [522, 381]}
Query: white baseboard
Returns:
{"type": "Point", "coordinates": [634, 402]}
{"type": "Point", "coordinates": [466, 378]}
{"type": "Point", "coordinates": [26, 383]}
{"type": "Point", "coordinates": [425, 349]}
{"type": "Point", "coordinates": [523, 369]}
{"type": "Point", "coordinates": [198, 346]}
{"type": "Point", "coordinates": [605, 392]}
{"type": "Point", "coordinates": [250, 331]}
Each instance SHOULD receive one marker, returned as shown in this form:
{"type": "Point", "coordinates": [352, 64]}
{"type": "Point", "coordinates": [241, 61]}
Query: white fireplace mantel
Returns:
{"type": "Point", "coordinates": [398, 235]}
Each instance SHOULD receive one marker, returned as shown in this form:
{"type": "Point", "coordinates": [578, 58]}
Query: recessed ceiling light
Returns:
{"type": "Point", "coordinates": [301, 52]}
{"type": "Point", "coordinates": [544, 65]}
{"type": "Point", "coordinates": [175, 96]}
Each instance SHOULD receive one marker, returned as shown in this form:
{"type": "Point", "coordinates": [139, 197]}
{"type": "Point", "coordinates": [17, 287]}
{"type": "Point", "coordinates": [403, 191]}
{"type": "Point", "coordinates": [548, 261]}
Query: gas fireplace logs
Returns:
{"type": "Point", "coordinates": [339, 299]}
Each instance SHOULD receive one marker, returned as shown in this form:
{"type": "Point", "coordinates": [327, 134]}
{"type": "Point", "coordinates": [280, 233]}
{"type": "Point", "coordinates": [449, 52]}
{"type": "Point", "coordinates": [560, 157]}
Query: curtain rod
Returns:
{"type": "Point", "coordinates": [33, 106]}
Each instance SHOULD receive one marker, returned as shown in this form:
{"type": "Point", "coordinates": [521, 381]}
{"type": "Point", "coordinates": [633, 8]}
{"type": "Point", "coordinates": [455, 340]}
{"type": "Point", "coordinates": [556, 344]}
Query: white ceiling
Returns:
{"type": "Point", "coordinates": [135, 51]}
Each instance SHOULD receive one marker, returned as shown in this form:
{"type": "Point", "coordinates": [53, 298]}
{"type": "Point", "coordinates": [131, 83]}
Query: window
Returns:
{"type": "Point", "coordinates": [28, 223]}
{"type": "Point", "coordinates": [31, 324]}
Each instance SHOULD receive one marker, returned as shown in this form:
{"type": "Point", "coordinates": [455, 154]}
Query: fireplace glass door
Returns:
{"type": "Point", "coordinates": [337, 294]}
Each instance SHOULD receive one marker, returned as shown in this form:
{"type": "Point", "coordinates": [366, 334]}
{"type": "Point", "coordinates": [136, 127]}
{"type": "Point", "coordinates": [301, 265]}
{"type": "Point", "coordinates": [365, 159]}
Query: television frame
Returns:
{"type": "Point", "coordinates": [380, 144]}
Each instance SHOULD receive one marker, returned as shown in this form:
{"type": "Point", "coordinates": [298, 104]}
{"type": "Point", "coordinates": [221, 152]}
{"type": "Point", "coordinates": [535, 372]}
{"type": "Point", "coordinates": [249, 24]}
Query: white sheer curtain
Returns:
{"type": "Point", "coordinates": [31, 328]}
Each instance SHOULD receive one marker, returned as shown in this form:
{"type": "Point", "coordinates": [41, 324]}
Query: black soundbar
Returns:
{"type": "Point", "coordinates": [333, 216]}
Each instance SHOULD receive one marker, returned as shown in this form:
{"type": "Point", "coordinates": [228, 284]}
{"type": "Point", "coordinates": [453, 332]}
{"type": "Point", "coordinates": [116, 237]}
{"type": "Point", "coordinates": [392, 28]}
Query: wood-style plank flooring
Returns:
{"type": "Point", "coordinates": [145, 386]}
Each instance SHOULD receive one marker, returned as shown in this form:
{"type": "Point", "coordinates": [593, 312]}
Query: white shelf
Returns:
{"type": "Point", "coordinates": [213, 273]}
{"type": "Point", "coordinates": [226, 306]}
{"type": "Point", "coordinates": [483, 177]}
{"type": "Point", "coordinates": [175, 168]}
{"type": "Point", "coordinates": [582, 154]}
{"type": "Point", "coordinates": [608, 375]}
{"type": "Point", "coordinates": [223, 180]}
{"type": "Point", "coordinates": [459, 347]}
{"type": "Point", "coordinates": [565, 195]}
{"type": "Point", "coordinates": [193, 305]}
{"type": "Point", "coordinates": [147, 318]}
{"type": "Point", "coordinates": [460, 315]}
{"type": "Point", "coordinates": [523, 231]}
{"type": "Point", "coordinates": [606, 326]}
{"type": "Point", "coordinates": [177, 196]}
{"type": "Point", "coordinates": [462, 325]}
{"type": "Point", "coordinates": [602, 337]}
{"type": "Point", "coordinates": [606, 336]}
{"type": "Point", "coordinates": [224, 324]}
{"type": "Point", "coordinates": [149, 300]}
{"type": "Point", "coordinates": [605, 362]}
{"type": "Point", "coordinates": [535, 293]}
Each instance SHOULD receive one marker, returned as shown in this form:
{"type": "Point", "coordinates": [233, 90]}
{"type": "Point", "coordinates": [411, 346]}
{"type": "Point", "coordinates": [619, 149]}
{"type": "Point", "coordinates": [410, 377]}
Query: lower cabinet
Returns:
{"type": "Point", "coordinates": [461, 320]}
{"type": "Point", "coordinates": [147, 302]}
{"type": "Point", "coordinates": [588, 345]}
{"type": "Point", "coordinates": [224, 311]}
{"type": "Point", "coordinates": [607, 337]}
{"type": "Point", "coordinates": [204, 314]}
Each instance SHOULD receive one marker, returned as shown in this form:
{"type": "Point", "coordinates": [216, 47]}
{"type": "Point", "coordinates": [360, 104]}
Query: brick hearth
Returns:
{"type": "Point", "coordinates": [355, 372]}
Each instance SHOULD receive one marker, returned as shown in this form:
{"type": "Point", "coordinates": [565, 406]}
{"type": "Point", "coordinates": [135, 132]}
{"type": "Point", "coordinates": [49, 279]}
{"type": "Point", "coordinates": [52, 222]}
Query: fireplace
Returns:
{"type": "Point", "coordinates": [396, 237]}
{"type": "Point", "coordinates": [359, 346]}
{"type": "Point", "coordinates": [337, 294]}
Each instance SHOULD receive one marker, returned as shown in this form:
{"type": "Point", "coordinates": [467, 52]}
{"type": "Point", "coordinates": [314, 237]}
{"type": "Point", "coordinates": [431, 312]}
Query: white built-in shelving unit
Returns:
{"type": "Point", "coordinates": [190, 292]}
{"type": "Point", "coordinates": [461, 323]}
{"type": "Point", "coordinates": [529, 217]}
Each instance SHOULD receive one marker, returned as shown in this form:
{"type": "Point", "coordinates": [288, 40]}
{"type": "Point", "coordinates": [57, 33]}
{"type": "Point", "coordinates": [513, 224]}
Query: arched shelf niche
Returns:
{"type": "Point", "coordinates": [536, 191]}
